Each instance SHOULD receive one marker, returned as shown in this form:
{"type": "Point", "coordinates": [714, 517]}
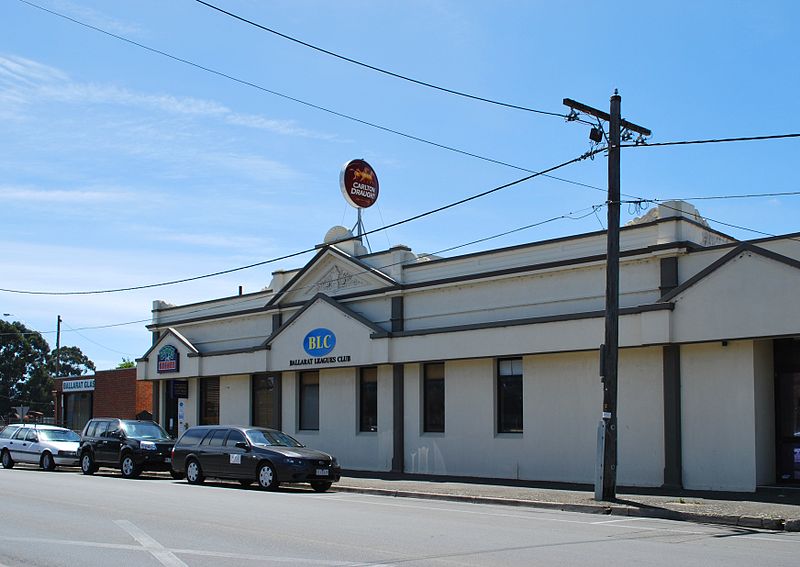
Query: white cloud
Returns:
{"type": "Point", "coordinates": [60, 196]}
{"type": "Point", "coordinates": [93, 17]}
{"type": "Point", "coordinates": [26, 82]}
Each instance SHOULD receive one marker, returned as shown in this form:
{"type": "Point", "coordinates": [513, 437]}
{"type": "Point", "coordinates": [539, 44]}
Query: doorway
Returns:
{"type": "Point", "coordinates": [787, 409]}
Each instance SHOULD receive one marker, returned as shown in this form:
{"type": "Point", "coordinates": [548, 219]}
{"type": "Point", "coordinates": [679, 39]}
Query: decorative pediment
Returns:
{"type": "Point", "coordinates": [336, 279]}
{"type": "Point", "coordinates": [332, 272]}
{"type": "Point", "coordinates": [326, 334]}
{"type": "Point", "coordinates": [752, 292]}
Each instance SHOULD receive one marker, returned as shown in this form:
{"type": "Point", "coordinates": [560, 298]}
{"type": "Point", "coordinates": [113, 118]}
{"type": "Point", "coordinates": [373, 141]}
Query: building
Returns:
{"type": "Point", "coordinates": [487, 364]}
{"type": "Point", "coordinates": [107, 393]}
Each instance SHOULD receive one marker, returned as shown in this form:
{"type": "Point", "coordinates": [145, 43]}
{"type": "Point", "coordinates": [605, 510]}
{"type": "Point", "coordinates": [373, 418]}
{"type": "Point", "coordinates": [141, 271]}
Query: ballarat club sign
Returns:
{"type": "Point", "coordinates": [78, 385]}
{"type": "Point", "coordinates": [319, 343]}
{"type": "Point", "coordinates": [359, 184]}
{"type": "Point", "coordinates": [168, 359]}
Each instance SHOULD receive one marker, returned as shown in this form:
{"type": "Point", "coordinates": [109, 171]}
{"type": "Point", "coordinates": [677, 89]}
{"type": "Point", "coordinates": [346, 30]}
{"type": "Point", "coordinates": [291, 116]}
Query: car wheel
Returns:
{"type": "Point", "coordinates": [8, 462]}
{"type": "Point", "coordinates": [267, 479]}
{"type": "Point", "coordinates": [129, 467]}
{"type": "Point", "coordinates": [176, 475]}
{"type": "Point", "coordinates": [321, 486]}
{"type": "Point", "coordinates": [87, 463]}
{"type": "Point", "coordinates": [47, 462]}
{"type": "Point", "coordinates": [245, 482]}
{"type": "Point", "coordinates": [194, 474]}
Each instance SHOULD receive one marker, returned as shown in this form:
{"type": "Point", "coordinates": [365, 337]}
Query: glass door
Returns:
{"type": "Point", "coordinates": [788, 422]}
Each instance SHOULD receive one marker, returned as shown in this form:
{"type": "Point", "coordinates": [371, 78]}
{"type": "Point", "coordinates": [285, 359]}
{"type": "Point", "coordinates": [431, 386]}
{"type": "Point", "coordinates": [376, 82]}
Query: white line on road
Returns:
{"type": "Point", "coordinates": [198, 552]}
{"type": "Point", "coordinates": [161, 553]}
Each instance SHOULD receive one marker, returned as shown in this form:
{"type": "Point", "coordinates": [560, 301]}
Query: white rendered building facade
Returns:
{"type": "Point", "coordinates": [486, 365]}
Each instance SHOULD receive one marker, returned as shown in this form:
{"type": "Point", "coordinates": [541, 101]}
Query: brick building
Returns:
{"type": "Point", "coordinates": [111, 393]}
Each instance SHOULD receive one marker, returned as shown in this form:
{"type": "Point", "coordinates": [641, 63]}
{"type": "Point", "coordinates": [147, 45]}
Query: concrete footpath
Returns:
{"type": "Point", "coordinates": [771, 508]}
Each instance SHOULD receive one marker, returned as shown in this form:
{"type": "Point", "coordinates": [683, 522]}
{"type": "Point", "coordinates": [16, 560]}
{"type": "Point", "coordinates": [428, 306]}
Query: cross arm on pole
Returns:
{"type": "Point", "coordinates": [586, 109]}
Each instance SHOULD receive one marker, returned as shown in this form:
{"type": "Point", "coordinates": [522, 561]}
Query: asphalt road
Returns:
{"type": "Point", "coordinates": [65, 518]}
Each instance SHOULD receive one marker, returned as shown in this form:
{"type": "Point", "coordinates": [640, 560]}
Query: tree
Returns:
{"type": "Point", "coordinates": [71, 362]}
{"type": "Point", "coordinates": [23, 354]}
{"type": "Point", "coordinates": [126, 363]}
{"type": "Point", "coordinates": [27, 367]}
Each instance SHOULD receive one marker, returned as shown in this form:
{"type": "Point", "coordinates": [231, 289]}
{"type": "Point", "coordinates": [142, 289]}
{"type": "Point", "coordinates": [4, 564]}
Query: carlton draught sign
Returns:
{"type": "Point", "coordinates": [359, 184]}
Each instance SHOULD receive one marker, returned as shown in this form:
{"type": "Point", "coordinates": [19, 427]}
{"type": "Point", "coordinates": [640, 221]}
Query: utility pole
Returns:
{"type": "Point", "coordinates": [58, 345]}
{"type": "Point", "coordinates": [606, 485]}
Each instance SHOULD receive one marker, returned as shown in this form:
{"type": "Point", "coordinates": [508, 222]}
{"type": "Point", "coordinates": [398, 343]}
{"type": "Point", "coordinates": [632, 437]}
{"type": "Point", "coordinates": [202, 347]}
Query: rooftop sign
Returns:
{"type": "Point", "coordinates": [359, 184]}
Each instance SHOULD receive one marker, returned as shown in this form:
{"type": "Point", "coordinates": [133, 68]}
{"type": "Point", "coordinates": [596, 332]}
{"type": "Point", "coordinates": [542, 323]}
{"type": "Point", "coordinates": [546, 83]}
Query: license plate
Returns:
{"type": "Point", "coordinates": [323, 472]}
{"type": "Point", "coordinates": [167, 459]}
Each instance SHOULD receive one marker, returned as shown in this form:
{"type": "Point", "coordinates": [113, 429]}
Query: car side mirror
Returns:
{"type": "Point", "coordinates": [242, 445]}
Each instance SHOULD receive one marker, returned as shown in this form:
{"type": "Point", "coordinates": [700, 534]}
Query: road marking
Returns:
{"type": "Point", "coordinates": [616, 521]}
{"type": "Point", "coordinates": [161, 553]}
{"type": "Point", "coordinates": [199, 552]}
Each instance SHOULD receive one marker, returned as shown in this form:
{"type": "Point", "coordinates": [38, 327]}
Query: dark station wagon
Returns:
{"type": "Point", "coordinates": [251, 454]}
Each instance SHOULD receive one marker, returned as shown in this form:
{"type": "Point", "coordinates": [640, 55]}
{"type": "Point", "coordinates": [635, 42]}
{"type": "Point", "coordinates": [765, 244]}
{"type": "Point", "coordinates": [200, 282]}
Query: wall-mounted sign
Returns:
{"type": "Point", "coordinates": [167, 359]}
{"type": "Point", "coordinates": [318, 344]}
{"type": "Point", "coordinates": [78, 385]}
{"type": "Point", "coordinates": [359, 184]}
{"type": "Point", "coordinates": [180, 388]}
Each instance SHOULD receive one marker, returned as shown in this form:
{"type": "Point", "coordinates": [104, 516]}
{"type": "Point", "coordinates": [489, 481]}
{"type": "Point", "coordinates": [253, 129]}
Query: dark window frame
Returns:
{"type": "Point", "coordinates": [305, 382]}
{"type": "Point", "coordinates": [510, 395]}
{"type": "Point", "coordinates": [268, 386]}
{"type": "Point", "coordinates": [433, 398]}
{"type": "Point", "coordinates": [206, 418]}
{"type": "Point", "coordinates": [368, 399]}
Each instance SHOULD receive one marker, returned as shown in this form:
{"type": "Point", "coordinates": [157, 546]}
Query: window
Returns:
{"type": "Point", "coordinates": [509, 395]}
{"type": "Point", "coordinates": [433, 398]}
{"type": "Point", "coordinates": [309, 401]}
{"type": "Point", "coordinates": [266, 401]}
{"type": "Point", "coordinates": [100, 429]}
{"type": "Point", "coordinates": [368, 399]}
{"type": "Point", "coordinates": [218, 437]}
{"type": "Point", "coordinates": [192, 436]}
{"type": "Point", "coordinates": [234, 437]}
{"type": "Point", "coordinates": [209, 401]}
{"type": "Point", "coordinates": [32, 437]}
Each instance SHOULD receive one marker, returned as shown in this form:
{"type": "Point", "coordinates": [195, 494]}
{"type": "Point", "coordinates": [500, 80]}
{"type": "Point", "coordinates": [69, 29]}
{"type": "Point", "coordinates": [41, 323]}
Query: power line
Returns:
{"type": "Point", "coordinates": [307, 250]}
{"type": "Point", "coordinates": [300, 101]}
{"type": "Point", "coordinates": [96, 343]}
{"type": "Point", "coordinates": [711, 141]}
{"type": "Point", "coordinates": [726, 197]}
{"type": "Point", "coordinates": [571, 216]}
{"type": "Point", "coordinates": [378, 69]}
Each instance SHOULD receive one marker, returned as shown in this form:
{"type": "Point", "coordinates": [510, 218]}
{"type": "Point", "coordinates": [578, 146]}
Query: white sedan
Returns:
{"type": "Point", "coordinates": [45, 445]}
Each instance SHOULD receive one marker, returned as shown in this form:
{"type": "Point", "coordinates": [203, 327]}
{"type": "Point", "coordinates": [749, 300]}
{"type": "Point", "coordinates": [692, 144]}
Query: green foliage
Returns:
{"type": "Point", "coordinates": [23, 354]}
{"type": "Point", "coordinates": [27, 367]}
{"type": "Point", "coordinates": [126, 363]}
{"type": "Point", "coordinates": [71, 362]}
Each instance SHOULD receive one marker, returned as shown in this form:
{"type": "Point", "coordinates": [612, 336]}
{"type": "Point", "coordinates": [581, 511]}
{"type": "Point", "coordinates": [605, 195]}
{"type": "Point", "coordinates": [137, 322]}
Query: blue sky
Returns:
{"type": "Point", "coordinates": [120, 167]}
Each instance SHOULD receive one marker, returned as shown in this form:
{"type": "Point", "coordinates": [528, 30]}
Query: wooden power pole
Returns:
{"type": "Point", "coordinates": [606, 483]}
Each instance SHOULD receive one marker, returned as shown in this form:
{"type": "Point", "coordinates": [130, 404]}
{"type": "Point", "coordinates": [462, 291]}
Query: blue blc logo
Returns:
{"type": "Point", "coordinates": [319, 342]}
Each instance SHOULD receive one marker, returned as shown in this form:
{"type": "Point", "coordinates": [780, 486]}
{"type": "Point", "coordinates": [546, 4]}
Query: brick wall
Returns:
{"type": "Point", "coordinates": [117, 393]}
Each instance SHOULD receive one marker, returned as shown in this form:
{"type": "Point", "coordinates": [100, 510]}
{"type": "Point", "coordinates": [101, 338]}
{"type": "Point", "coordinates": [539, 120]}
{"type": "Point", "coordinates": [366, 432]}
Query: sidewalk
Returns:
{"type": "Point", "coordinates": [772, 508]}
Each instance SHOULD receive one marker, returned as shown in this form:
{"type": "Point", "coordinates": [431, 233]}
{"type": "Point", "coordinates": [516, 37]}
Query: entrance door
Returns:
{"type": "Point", "coordinates": [788, 402]}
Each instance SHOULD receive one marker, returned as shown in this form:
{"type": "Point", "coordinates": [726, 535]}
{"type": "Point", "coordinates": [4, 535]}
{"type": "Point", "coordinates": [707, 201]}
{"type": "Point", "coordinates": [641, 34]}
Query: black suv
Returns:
{"type": "Point", "coordinates": [251, 454]}
{"type": "Point", "coordinates": [130, 444]}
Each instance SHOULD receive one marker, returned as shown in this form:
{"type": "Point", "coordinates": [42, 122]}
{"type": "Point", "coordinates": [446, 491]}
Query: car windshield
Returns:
{"type": "Point", "coordinates": [144, 430]}
{"type": "Point", "coordinates": [58, 435]}
{"type": "Point", "coordinates": [274, 438]}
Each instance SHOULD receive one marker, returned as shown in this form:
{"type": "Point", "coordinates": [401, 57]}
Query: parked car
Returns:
{"type": "Point", "coordinates": [130, 444]}
{"type": "Point", "coordinates": [251, 454]}
{"type": "Point", "coordinates": [45, 445]}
